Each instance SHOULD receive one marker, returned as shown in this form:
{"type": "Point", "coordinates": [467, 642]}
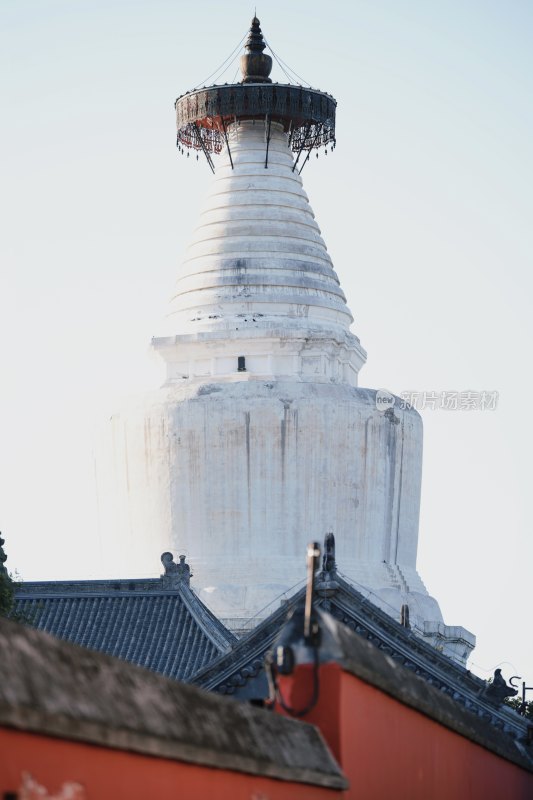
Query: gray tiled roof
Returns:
{"type": "Point", "coordinates": [167, 630]}
{"type": "Point", "coordinates": [241, 673]}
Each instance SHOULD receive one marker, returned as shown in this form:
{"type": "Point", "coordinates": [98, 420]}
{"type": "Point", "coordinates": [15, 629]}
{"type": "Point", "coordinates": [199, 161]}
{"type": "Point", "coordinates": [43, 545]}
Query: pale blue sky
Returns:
{"type": "Point", "coordinates": [425, 207]}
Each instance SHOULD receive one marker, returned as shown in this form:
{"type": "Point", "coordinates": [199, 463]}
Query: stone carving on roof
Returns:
{"type": "Point", "coordinates": [326, 580]}
{"type": "Point", "coordinates": [175, 574]}
{"type": "Point", "coordinates": [497, 690]}
{"type": "Point", "coordinates": [328, 559]}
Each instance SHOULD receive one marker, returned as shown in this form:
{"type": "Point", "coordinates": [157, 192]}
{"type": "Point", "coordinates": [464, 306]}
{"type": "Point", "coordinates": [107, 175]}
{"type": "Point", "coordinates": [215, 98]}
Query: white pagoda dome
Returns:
{"type": "Point", "coordinates": [260, 438]}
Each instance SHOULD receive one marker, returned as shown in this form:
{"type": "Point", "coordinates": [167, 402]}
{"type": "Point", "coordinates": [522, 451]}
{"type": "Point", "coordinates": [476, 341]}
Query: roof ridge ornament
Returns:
{"type": "Point", "coordinates": [328, 560]}
{"type": "Point", "coordinates": [175, 575]}
{"type": "Point", "coordinates": [326, 579]}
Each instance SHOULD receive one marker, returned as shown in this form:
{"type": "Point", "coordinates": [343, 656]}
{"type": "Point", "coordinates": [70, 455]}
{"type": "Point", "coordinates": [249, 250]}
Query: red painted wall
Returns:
{"type": "Point", "coordinates": [107, 774]}
{"type": "Point", "coordinates": [388, 750]}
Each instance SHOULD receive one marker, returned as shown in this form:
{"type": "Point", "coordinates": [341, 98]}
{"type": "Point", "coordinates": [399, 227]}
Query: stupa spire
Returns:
{"type": "Point", "coordinates": [255, 65]}
{"type": "Point", "coordinates": [257, 261]}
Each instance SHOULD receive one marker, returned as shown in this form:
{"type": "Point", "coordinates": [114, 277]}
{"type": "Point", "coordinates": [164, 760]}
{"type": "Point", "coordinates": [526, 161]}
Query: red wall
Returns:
{"type": "Point", "coordinates": [107, 774]}
{"type": "Point", "coordinates": [388, 750]}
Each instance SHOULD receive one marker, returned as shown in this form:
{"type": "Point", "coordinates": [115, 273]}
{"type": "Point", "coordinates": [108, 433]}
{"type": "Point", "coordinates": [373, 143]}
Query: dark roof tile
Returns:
{"type": "Point", "coordinates": [169, 631]}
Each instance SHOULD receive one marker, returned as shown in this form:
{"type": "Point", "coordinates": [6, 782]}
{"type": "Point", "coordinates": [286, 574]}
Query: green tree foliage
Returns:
{"type": "Point", "coordinates": [7, 588]}
{"type": "Point", "coordinates": [516, 703]}
{"type": "Point", "coordinates": [7, 594]}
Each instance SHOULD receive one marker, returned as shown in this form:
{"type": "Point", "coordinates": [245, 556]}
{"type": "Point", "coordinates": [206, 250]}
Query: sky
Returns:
{"type": "Point", "coordinates": [425, 206]}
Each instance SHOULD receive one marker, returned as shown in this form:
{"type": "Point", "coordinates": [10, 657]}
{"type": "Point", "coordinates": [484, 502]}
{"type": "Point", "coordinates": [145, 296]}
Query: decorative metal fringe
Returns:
{"type": "Point", "coordinates": [211, 139]}
{"type": "Point", "coordinates": [305, 137]}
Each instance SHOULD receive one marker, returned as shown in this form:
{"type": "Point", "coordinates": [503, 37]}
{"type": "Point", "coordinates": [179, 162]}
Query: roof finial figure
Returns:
{"type": "Point", "coordinates": [255, 65]}
{"type": "Point", "coordinates": [498, 690]}
{"type": "Point", "coordinates": [327, 583]}
{"type": "Point", "coordinates": [175, 574]}
{"type": "Point", "coordinates": [328, 559]}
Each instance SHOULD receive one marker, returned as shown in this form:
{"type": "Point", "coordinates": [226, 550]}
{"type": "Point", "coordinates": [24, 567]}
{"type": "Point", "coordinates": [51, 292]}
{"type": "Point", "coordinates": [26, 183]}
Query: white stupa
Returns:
{"type": "Point", "coordinates": [260, 439]}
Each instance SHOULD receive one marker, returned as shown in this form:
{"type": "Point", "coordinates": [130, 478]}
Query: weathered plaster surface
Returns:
{"type": "Point", "coordinates": [240, 467]}
{"type": "Point", "coordinates": [240, 475]}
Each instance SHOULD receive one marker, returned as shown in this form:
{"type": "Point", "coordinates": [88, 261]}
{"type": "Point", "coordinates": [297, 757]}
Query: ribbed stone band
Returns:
{"type": "Point", "coordinates": [257, 253]}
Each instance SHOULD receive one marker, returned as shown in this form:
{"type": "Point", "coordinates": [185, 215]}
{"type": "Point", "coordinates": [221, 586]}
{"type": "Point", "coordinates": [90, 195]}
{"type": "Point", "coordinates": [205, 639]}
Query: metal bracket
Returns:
{"type": "Point", "coordinates": [204, 148]}
{"type": "Point", "coordinates": [227, 142]}
{"type": "Point", "coordinates": [309, 151]}
{"type": "Point", "coordinates": [304, 139]}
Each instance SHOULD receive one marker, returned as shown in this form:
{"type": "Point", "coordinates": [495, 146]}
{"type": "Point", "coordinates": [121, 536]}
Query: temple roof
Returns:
{"type": "Point", "coordinates": [162, 625]}
{"type": "Point", "coordinates": [241, 674]}
{"type": "Point", "coordinates": [159, 624]}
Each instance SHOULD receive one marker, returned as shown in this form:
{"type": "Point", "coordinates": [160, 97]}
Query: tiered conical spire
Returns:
{"type": "Point", "coordinates": [257, 254]}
